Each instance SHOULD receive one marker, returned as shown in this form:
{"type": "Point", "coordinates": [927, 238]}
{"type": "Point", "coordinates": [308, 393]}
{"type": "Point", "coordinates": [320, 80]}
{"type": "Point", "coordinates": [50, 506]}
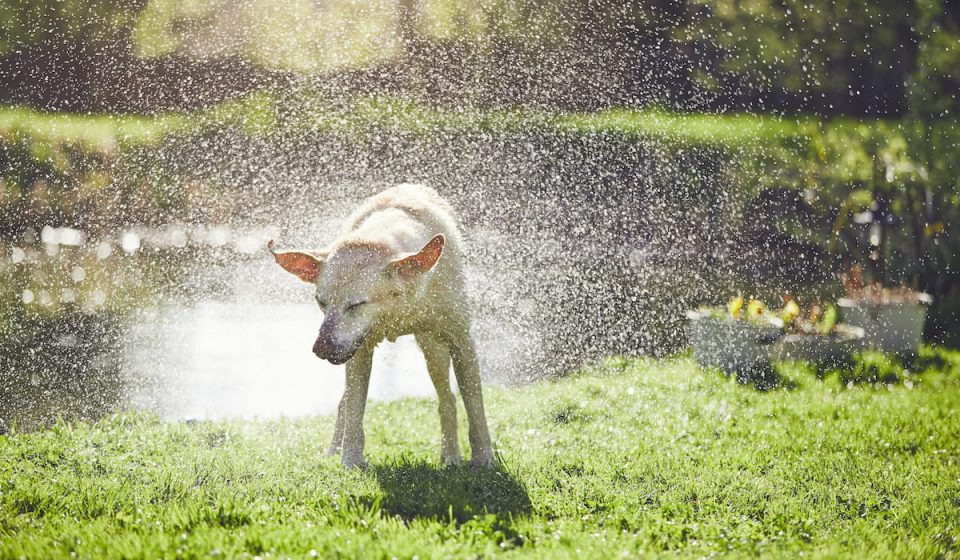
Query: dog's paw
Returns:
{"type": "Point", "coordinates": [352, 461]}
{"type": "Point", "coordinates": [482, 461]}
{"type": "Point", "coordinates": [450, 460]}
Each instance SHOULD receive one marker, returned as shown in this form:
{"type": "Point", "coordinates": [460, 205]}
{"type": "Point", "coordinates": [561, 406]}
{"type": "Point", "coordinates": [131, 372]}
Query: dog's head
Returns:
{"type": "Point", "coordinates": [359, 286]}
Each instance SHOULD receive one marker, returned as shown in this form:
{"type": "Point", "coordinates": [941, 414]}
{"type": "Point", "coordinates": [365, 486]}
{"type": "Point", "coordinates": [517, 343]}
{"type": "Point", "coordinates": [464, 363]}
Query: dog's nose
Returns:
{"type": "Point", "coordinates": [326, 350]}
{"type": "Point", "coordinates": [330, 348]}
{"type": "Point", "coordinates": [324, 346]}
{"type": "Point", "coordinates": [332, 353]}
{"type": "Point", "coordinates": [321, 346]}
{"type": "Point", "coordinates": [321, 350]}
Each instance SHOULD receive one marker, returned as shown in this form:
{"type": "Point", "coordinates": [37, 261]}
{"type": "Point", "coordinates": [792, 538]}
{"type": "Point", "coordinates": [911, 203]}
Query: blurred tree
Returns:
{"type": "Point", "coordinates": [80, 56]}
{"type": "Point", "coordinates": [299, 35]}
{"type": "Point", "coordinates": [825, 56]}
{"type": "Point", "coordinates": [834, 56]}
{"type": "Point", "coordinates": [27, 23]}
{"type": "Point", "coordinates": [935, 84]}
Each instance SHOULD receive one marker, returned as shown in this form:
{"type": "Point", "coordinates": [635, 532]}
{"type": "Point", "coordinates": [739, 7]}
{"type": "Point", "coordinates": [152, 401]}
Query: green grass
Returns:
{"type": "Point", "coordinates": [636, 457]}
{"type": "Point", "coordinates": [256, 113]}
{"type": "Point", "coordinates": [731, 130]}
{"type": "Point", "coordinates": [105, 133]}
{"type": "Point", "coordinates": [88, 132]}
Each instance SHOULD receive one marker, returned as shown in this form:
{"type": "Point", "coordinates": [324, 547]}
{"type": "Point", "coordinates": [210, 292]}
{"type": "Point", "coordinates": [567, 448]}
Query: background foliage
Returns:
{"type": "Point", "coordinates": [827, 57]}
{"type": "Point", "coordinates": [852, 106]}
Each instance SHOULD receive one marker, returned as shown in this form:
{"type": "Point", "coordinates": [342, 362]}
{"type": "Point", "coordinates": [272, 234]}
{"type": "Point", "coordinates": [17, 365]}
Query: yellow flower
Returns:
{"type": "Point", "coordinates": [755, 308]}
{"type": "Point", "coordinates": [790, 311]}
{"type": "Point", "coordinates": [735, 306]}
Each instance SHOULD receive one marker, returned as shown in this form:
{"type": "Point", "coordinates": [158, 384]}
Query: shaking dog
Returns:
{"type": "Point", "coordinates": [396, 269]}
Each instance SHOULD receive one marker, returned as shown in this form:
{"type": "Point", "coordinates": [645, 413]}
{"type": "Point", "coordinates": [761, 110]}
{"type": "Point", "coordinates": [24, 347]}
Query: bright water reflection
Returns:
{"type": "Point", "coordinates": [195, 332]}
{"type": "Point", "coordinates": [236, 359]}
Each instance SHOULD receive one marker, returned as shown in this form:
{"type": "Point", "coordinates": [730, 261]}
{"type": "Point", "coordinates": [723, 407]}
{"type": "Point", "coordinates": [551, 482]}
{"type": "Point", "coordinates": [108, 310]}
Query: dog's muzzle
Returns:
{"type": "Point", "coordinates": [336, 359]}
{"type": "Point", "coordinates": [325, 349]}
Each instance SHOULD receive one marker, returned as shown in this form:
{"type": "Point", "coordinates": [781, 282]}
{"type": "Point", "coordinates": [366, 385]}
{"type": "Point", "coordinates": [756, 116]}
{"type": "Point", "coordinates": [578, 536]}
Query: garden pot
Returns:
{"type": "Point", "coordinates": [895, 327]}
{"type": "Point", "coordinates": [729, 344]}
{"type": "Point", "coordinates": [831, 350]}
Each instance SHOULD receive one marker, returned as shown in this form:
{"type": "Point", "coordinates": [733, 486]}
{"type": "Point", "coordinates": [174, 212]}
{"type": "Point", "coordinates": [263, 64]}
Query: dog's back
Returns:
{"type": "Point", "coordinates": [405, 217]}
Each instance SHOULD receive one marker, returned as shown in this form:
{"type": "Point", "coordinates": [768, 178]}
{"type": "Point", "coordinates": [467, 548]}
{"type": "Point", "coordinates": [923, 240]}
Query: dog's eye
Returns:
{"type": "Point", "coordinates": [356, 305]}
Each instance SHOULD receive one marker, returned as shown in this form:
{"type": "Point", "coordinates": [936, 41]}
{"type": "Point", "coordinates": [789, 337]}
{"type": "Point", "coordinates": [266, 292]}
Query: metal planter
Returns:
{"type": "Point", "coordinates": [831, 350]}
{"type": "Point", "coordinates": [731, 345]}
{"type": "Point", "coordinates": [894, 327]}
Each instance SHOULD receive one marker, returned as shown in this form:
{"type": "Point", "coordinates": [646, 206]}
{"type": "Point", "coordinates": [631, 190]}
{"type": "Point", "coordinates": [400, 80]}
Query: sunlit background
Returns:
{"type": "Point", "coordinates": [613, 164]}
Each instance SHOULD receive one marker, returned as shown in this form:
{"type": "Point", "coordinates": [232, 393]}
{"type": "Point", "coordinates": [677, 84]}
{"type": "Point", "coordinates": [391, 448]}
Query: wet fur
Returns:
{"type": "Point", "coordinates": [431, 305]}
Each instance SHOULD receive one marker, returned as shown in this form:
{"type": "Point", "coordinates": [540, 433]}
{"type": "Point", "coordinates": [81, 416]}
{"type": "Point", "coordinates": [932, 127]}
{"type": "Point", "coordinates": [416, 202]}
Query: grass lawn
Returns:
{"type": "Point", "coordinates": [632, 458]}
{"type": "Point", "coordinates": [258, 114]}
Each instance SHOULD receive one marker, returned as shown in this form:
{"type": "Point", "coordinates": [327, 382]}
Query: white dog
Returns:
{"type": "Point", "coordinates": [397, 269]}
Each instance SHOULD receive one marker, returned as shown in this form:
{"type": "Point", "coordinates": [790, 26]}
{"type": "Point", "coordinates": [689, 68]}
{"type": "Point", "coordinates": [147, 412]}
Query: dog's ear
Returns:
{"type": "Point", "coordinates": [305, 266]}
{"type": "Point", "coordinates": [409, 266]}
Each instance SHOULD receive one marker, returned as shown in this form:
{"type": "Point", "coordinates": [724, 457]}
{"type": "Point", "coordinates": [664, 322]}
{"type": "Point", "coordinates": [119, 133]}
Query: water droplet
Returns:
{"type": "Point", "coordinates": [49, 235]}
{"type": "Point", "coordinates": [130, 242]}
{"type": "Point", "coordinates": [98, 297]}
{"type": "Point", "coordinates": [104, 250]}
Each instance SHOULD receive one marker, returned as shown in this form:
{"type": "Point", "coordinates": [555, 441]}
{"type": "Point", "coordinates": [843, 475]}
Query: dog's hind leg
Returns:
{"type": "Point", "coordinates": [354, 405]}
{"type": "Point", "coordinates": [437, 355]}
{"type": "Point", "coordinates": [466, 367]}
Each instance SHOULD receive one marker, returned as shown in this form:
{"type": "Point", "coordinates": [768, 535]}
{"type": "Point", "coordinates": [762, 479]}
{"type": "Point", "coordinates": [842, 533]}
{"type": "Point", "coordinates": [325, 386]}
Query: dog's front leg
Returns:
{"type": "Point", "coordinates": [354, 403]}
{"type": "Point", "coordinates": [337, 443]}
{"type": "Point", "coordinates": [466, 367]}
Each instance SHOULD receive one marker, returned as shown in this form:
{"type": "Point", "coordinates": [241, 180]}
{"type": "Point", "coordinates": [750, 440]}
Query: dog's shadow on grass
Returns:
{"type": "Point", "coordinates": [765, 379]}
{"type": "Point", "coordinates": [418, 489]}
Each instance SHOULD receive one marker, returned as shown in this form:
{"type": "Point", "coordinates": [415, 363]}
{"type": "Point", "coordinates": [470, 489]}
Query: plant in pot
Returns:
{"type": "Point", "coordinates": [892, 317]}
{"type": "Point", "coordinates": [817, 335]}
{"type": "Point", "coordinates": [735, 339]}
